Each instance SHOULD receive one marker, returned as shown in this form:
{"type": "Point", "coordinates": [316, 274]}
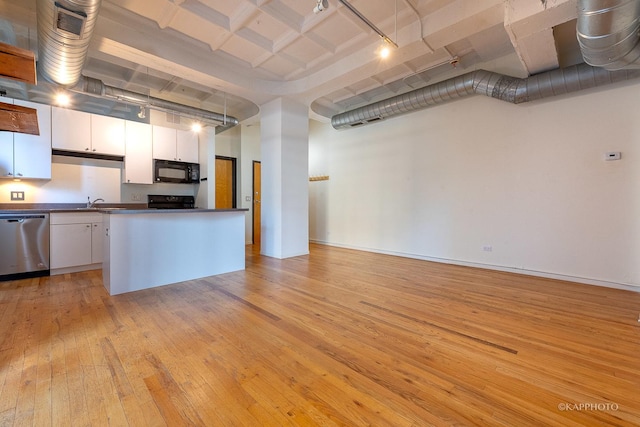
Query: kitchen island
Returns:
{"type": "Point", "coordinates": [149, 248]}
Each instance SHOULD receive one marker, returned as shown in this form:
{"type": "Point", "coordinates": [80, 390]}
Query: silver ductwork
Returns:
{"type": "Point", "coordinates": [95, 87]}
{"type": "Point", "coordinates": [64, 32]}
{"type": "Point", "coordinates": [494, 85]}
{"type": "Point", "coordinates": [608, 33]}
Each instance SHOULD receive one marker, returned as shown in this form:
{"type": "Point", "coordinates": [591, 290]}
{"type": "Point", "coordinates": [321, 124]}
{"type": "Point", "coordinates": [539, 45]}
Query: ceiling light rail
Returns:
{"type": "Point", "coordinates": [370, 24]}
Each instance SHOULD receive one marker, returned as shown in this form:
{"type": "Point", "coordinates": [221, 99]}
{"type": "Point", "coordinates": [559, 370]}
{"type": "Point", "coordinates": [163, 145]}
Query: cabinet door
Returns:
{"type": "Point", "coordinates": [187, 146]}
{"type": "Point", "coordinates": [70, 129]}
{"type": "Point", "coordinates": [96, 242]}
{"type": "Point", "coordinates": [107, 135]}
{"type": "Point", "coordinates": [6, 154]}
{"type": "Point", "coordinates": [138, 166]}
{"type": "Point", "coordinates": [70, 245]}
{"type": "Point", "coordinates": [164, 143]}
{"type": "Point", "coordinates": [6, 150]}
{"type": "Point", "coordinates": [32, 153]}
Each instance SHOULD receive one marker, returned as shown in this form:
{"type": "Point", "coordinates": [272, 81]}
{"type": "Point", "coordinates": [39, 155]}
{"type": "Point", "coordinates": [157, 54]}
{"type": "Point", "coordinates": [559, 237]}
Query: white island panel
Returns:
{"type": "Point", "coordinates": [145, 250]}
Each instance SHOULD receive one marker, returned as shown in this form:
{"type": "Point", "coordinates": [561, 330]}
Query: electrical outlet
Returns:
{"type": "Point", "coordinates": [17, 195]}
{"type": "Point", "coordinates": [137, 197]}
{"type": "Point", "coordinates": [487, 248]}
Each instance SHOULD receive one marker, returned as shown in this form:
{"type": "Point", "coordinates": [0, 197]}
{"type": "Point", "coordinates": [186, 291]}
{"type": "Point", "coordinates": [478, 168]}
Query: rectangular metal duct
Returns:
{"type": "Point", "coordinates": [69, 22]}
{"type": "Point", "coordinates": [64, 32]}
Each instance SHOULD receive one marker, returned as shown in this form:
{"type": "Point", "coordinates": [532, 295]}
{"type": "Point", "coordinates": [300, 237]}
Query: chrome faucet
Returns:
{"type": "Point", "coordinates": [91, 204]}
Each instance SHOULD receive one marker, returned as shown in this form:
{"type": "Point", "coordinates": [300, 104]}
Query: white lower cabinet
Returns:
{"type": "Point", "coordinates": [76, 241]}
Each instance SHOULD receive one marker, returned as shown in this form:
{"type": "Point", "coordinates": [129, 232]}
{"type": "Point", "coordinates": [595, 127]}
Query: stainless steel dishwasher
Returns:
{"type": "Point", "coordinates": [24, 245]}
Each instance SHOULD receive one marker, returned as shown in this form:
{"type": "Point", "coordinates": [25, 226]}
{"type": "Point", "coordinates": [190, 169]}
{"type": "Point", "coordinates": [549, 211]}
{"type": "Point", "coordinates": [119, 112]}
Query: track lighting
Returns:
{"type": "Point", "coordinates": [142, 113]}
{"type": "Point", "coordinates": [322, 5]}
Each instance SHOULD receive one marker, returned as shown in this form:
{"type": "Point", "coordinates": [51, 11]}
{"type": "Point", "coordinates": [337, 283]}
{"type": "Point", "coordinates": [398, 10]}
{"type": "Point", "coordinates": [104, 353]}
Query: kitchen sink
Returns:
{"type": "Point", "coordinates": [99, 209]}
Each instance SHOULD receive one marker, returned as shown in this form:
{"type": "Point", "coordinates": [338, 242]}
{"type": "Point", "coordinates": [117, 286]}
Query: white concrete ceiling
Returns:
{"type": "Point", "coordinates": [240, 54]}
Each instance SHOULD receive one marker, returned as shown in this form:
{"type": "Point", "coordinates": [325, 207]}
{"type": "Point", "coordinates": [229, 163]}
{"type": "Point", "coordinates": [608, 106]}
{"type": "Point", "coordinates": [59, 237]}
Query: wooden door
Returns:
{"type": "Point", "coordinates": [225, 182]}
{"type": "Point", "coordinates": [257, 196]}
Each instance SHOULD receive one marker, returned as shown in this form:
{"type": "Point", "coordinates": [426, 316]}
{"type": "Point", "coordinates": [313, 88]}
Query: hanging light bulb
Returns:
{"type": "Point", "coordinates": [385, 52]}
{"type": "Point", "coordinates": [62, 99]}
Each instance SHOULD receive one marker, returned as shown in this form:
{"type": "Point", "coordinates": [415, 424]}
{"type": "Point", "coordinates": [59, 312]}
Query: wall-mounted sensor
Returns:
{"type": "Point", "coordinates": [613, 155]}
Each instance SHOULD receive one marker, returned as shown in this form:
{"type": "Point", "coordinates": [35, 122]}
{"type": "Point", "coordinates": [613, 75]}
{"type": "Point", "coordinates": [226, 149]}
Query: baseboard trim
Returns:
{"type": "Point", "coordinates": [75, 269]}
{"type": "Point", "coordinates": [576, 279]}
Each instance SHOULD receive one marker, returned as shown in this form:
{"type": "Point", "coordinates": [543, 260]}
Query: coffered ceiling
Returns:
{"type": "Point", "coordinates": [237, 55]}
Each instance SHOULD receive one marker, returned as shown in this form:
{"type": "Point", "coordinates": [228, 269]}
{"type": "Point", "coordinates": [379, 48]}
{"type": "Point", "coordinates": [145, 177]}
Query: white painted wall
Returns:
{"type": "Point", "coordinates": [250, 146]}
{"type": "Point", "coordinates": [242, 143]}
{"type": "Point", "coordinates": [529, 181]}
{"type": "Point", "coordinates": [72, 181]}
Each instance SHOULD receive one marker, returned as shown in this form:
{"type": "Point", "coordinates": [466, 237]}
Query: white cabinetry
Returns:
{"type": "Point", "coordinates": [79, 131]}
{"type": "Point", "coordinates": [174, 144]}
{"type": "Point", "coordinates": [107, 135]}
{"type": "Point", "coordinates": [32, 153]}
{"type": "Point", "coordinates": [27, 156]}
{"type": "Point", "coordinates": [187, 146]}
{"type": "Point", "coordinates": [70, 129]}
{"type": "Point", "coordinates": [138, 164]}
{"type": "Point", "coordinates": [76, 241]}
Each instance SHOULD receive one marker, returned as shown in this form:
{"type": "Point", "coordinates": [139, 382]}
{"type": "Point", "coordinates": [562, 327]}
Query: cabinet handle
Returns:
{"type": "Point", "coordinates": [88, 226]}
{"type": "Point", "coordinates": [9, 174]}
{"type": "Point", "coordinates": [19, 174]}
{"type": "Point", "coordinates": [93, 149]}
{"type": "Point", "coordinates": [86, 149]}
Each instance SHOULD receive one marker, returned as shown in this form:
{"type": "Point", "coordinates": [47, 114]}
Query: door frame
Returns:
{"type": "Point", "coordinates": [234, 200]}
{"type": "Point", "coordinates": [253, 202]}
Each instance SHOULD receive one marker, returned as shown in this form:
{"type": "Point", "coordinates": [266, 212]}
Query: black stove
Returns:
{"type": "Point", "coordinates": [156, 201]}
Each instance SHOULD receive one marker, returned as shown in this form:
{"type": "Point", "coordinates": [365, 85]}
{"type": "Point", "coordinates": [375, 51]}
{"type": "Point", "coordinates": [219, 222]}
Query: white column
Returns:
{"type": "Point", "coordinates": [284, 135]}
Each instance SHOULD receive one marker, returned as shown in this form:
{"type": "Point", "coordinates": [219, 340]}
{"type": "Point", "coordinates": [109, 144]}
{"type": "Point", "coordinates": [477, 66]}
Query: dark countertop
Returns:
{"type": "Point", "coordinates": [110, 208]}
{"type": "Point", "coordinates": [163, 211]}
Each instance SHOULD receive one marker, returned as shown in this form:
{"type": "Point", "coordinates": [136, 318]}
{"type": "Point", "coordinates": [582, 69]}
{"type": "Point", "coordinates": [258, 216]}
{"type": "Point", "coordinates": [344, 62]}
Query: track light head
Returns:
{"type": "Point", "coordinates": [142, 113]}
{"type": "Point", "coordinates": [320, 6]}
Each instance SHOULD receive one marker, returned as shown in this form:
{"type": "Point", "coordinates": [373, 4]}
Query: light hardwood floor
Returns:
{"type": "Point", "coordinates": [339, 337]}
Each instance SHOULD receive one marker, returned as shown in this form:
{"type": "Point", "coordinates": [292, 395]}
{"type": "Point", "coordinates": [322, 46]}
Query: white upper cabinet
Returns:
{"type": "Point", "coordinates": [164, 143]}
{"type": "Point", "coordinates": [6, 150]}
{"type": "Point", "coordinates": [92, 133]}
{"type": "Point", "coordinates": [138, 164]}
{"type": "Point", "coordinates": [27, 156]}
{"type": "Point", "coordinates": [174, 144]}
{"type": "Point", "coordinates": [107, 135]}
{"type": "Point", "coordinates": [70, 129]}
{"type": "Point", "coordinates": [187, 146]}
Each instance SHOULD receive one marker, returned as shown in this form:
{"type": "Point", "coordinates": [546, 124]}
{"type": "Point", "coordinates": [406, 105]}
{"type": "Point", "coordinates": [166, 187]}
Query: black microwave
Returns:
{"type": "Point", "coordinates": [176, 172]}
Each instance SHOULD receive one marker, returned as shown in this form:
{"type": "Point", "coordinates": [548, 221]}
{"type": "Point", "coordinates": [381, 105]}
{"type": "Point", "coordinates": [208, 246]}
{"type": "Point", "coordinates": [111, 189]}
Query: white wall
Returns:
{"type": "Point", "coordinates": [242, 143]}
{"type": "Point", "coordinates": [75, 179]}
{"type": "Point", "coordinates": [250, 153]}
{"type": "Point", "coordinates": [529, 181]}
{"type": "Point", "coordinates": [72, 181]}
